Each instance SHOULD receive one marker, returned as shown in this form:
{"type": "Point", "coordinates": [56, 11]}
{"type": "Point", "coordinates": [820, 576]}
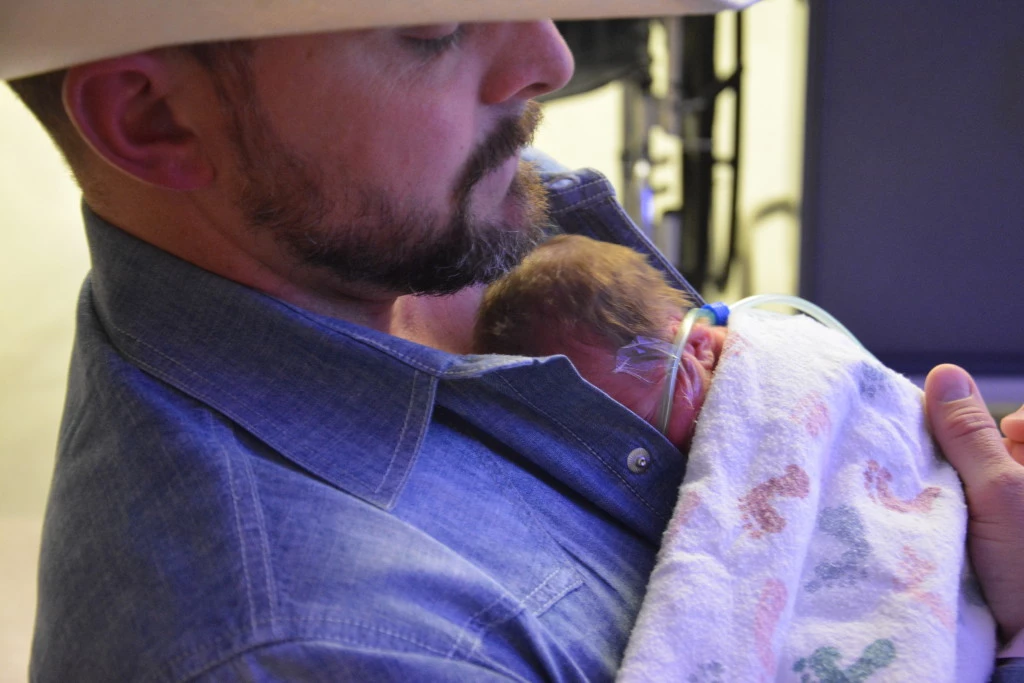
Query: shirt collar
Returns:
{"type": "Point", "coordinates": [297, 381]}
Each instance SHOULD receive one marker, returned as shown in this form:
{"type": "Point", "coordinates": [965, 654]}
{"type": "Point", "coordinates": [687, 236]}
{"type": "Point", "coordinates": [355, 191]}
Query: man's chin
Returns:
{"type": "Point", "coordinates": [526, 202]}
{"type": "Point", "coordinates": [493, 248]}
{"type": "Point", "coordinates": [522, 209]}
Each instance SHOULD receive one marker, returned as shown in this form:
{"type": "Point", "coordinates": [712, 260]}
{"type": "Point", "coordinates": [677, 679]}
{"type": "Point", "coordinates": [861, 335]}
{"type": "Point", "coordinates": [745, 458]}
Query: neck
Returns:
{"type": "Point", "coordinates": [193, 233]}
{"type": "Point", "coordinates": [441, 322]}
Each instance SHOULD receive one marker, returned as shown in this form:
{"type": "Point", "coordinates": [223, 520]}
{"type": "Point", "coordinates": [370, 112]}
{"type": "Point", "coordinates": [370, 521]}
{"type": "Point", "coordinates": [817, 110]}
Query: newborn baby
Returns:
{"type": "Point", "coordinates": [817, 534]}
{"type": "Point", "coordinates": [590, 300]}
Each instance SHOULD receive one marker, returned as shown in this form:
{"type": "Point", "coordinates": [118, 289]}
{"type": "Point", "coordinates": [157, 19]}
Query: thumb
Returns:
{"type": "Point", "coordinates": [963, 427]}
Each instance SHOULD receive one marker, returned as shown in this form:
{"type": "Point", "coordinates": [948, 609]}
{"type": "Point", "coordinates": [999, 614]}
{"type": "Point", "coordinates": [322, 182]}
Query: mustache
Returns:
{"type": "Point", "coordinates": [508, 137]}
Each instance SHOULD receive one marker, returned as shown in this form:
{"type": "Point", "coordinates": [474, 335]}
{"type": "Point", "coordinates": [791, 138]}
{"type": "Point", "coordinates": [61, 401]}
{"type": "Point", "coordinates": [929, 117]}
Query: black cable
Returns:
{"type": "Point", "coordinates": [700, 85]}
{"type": "Point", "coordinates": [736, 80]}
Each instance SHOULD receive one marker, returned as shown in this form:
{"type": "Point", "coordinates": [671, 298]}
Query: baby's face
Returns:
{"type": "Point", "coordinates": [700, 356]}
{"type": "Point", "coordinates": [643, 396]}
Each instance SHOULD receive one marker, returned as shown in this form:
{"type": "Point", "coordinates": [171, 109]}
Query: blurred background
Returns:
{"type": "Point", "coordinates": [867, 156]}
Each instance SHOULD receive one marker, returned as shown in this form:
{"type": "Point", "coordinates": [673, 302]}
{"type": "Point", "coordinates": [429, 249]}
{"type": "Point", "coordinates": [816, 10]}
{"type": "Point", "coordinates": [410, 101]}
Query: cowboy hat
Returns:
{"type": "Point", "coordinates": [42, 35]}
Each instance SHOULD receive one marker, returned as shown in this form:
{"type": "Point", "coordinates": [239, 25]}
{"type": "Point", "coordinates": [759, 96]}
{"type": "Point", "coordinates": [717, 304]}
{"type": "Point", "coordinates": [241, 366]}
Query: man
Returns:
{"type": "Point", "coordinates": [272, 466]}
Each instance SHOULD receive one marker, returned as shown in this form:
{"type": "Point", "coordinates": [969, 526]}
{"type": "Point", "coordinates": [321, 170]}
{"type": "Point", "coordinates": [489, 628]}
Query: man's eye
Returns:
{"type": "Point", "coordinates": [434, 38]}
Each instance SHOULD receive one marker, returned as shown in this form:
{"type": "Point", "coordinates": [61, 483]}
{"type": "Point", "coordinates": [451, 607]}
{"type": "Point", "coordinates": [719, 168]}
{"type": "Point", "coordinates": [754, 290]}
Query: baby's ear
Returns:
{"type": "Point", "coordinates": [705, 344]}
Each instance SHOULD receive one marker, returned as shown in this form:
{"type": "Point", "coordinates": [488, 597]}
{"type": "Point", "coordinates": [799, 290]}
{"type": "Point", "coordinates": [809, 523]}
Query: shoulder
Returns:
{"type": "Point", "coordinates": [176, 543]}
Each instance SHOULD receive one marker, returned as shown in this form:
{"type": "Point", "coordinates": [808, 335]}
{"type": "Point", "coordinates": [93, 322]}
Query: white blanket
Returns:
{"type": "Point", "coordinates": [818, 535]}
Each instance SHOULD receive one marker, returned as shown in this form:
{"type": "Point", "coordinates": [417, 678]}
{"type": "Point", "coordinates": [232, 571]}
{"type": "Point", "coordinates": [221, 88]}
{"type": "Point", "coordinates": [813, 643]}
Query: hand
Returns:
{"type": "Point", "coordinates": [992, 470]}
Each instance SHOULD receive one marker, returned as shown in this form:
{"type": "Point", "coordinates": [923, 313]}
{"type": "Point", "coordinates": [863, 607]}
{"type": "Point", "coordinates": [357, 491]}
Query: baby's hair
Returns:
{"type": "Point", "coordinates": [601, 293]}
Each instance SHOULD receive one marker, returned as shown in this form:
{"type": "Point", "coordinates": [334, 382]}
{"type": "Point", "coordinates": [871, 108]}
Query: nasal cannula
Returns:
{"type": "Point", "coordinates": [718, 314]}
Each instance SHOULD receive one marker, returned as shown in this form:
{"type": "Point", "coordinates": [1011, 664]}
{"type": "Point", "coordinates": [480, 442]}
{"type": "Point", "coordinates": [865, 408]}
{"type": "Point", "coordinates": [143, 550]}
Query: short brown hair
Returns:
{"type": "Point", "coordinates": [573, 285]}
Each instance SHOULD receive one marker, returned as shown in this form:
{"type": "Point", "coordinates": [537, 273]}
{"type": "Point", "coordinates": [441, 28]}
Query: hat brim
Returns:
{"type": "Point", "coordinates": [43, 35]}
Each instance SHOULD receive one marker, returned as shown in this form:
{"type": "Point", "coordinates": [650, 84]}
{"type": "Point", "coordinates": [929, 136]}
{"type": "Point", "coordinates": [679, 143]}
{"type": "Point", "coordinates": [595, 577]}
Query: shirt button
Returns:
{"type": "Point", "coordinates": [638, 460]}
{"type": "Point", "coordinates": [562, 184]}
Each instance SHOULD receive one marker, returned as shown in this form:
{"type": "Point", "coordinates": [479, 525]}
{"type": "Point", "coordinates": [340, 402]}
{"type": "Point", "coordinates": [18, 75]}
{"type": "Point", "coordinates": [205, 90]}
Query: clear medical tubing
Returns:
{"type": "Point", "coordinates": [718, 314]}
{"type": "Point", "coordinates": [802, 305]}
{"type": "Point", "coordinates": [679, 343]}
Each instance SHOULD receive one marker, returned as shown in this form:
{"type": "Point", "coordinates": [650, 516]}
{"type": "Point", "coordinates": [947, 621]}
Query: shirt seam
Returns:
{"type": "Point", "coordinates": [268, 428]}
{"type": "Point", "coordinates": [653, 251]}
{"type": "Point", "coordinates": [264, 545]}
{"type": "Point", "coordinates": [478, 626]}
{"type": "Point", "coordinates": [233, 652]}
{"type": "Point", "coordinates": [586, 202]}
{"type": "Point", "coordinates": [622, 237]}
{"type": "Point", "coordinates": [565, 208]}
{"type": "Point", "coordinates": [343, 641]}
{"type": "Point", "coordinates": [486, 366]}
{"type": "Point", "coordinates": [200, 393]}
{"type": "Point", "coordinates": [368, 341]}
{"type": "Point", "coordinates": [557, 596]}
{"type": "Point", "coordinates": [435, 372]}
{"type": "Point", "coordinates": [477, 631]}
{"type": "Point", "coordinates": [406, 428]}
{"type": "Point", "coordinates": [253, 623]}
{"type": "Point", "coordinates": [584, 444]}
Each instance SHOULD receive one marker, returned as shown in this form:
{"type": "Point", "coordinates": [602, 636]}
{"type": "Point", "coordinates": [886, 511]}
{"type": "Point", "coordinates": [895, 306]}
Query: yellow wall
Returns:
{"type": "Point", "coordinates": [42, 261]}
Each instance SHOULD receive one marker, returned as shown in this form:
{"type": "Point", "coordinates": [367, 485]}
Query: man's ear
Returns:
{"type": "Point", "coordinates": [123, 108]}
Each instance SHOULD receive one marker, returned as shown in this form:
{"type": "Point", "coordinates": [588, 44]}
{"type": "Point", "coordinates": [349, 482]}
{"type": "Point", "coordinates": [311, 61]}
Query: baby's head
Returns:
{"type": "Point", "coordinates": [588, 300]}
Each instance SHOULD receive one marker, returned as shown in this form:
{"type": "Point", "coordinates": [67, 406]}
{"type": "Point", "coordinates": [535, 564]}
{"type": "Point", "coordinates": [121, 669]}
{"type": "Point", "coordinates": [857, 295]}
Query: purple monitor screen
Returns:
{"type": "Point", "coordinates": [913, 216]}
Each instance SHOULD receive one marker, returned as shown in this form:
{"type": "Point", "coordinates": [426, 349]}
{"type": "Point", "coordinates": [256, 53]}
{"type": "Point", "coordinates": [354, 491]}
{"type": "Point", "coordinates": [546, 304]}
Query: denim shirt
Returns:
{"type": "Point", "coordinates": [247, 491]}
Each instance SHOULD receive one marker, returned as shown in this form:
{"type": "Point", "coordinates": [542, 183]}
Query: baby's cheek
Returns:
{"type": "Point", "coordinates": [692, 383]}
{"type": "Point", "coordinates": [691, 389]}
{"type": "Point", "coordinates": [681, 426]}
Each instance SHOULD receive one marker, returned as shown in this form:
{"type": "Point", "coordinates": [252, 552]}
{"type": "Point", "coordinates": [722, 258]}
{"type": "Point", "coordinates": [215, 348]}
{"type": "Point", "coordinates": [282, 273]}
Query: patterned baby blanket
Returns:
{"type": "Point", "coordinates": [818, 534]}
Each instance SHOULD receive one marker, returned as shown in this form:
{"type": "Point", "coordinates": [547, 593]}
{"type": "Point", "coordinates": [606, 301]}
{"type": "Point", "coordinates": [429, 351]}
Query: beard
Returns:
{"type": "Point", "coordinates": [385, 242]}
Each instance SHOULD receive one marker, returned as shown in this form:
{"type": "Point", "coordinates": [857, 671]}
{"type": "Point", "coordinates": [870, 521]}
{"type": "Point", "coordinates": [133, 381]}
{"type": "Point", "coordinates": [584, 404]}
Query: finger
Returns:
{"type": "Point", "coordinates": [1013, 425]}
{"type": "Point", "coordinates": [963, 427]}
{"type": "Point", "coordinates": [1016, 450]}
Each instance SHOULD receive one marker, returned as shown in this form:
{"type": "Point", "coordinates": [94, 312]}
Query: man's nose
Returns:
{"type": "Point", "coordinates": [532, 59]}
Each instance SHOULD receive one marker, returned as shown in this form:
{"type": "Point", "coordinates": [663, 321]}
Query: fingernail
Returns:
{"type": "Point", "coordinates": [953, 386]}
